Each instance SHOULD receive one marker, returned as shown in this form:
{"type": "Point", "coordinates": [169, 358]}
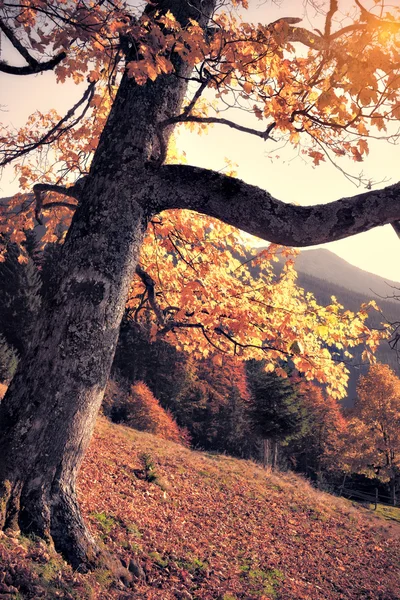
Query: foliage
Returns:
{"type": "Point", "coordinates": [317, 448]}
{"type": "Point", "coordinates": [209, 403]}
{"type": "Point", "coordinates": [141, 410]}
{"type": "Point", "coordinates": [276, 409]}
{"type": "Point", "coordinates": [3, 389]}
{"type": "Point", "coordinates": [373, 442]}
{"type": "Point", "coordinates": [211, 302]}
{"type": "Point", "coordinates": [155, 362]}
{"type": "Point", "coordinates": [325, 98]}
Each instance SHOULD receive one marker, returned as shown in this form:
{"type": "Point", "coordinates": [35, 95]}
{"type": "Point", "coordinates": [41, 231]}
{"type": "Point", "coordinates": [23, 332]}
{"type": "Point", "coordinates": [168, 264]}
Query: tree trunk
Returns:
{"type": "Point", "coordinates": [50, 409]}
{"type": "Point", "coordinates": [393, 491]}
{"type": "Point", "coordinates": [265, 446]}
{"type": "Point", "coordinates": [275, 450]}
{"type": "Point", "coordinates": [49, 412]}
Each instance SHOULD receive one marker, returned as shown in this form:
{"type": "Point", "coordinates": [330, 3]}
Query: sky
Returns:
{"type": "Point", "coordinates": [288, 178]}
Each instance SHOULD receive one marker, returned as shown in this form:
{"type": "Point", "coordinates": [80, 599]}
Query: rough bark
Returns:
{"type": "Point", "coordinates": [254, 210]}
{"type": "Point", "coordinates": [48, 415]}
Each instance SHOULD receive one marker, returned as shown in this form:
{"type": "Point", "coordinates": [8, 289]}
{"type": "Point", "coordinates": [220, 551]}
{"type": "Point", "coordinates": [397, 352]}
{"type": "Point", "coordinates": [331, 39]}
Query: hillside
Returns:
{"type": "Point", "coordinates": [351, 300]}
{"type": "Point", "coordinates": [209, 527]}
{"type": "Point", "coordinates": [324, 264]}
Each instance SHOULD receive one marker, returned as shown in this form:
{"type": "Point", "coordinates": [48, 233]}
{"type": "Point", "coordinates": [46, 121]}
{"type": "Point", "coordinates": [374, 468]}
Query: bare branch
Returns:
{"type": "Point", "coordinates": [33, 65]}
{"type": "Point", "coordinates": [59, 204]}
{"type": "Point", "coordinates": [150, 284]}
{"type": "Point", "coordinates": [55, 132]}
{"type": "Point", "coordinates": [254, 210]}
{"type": "Point", "coordinates": [328, 22]}
{"type": "Point", "coordinates": [396, 227]}
{"type": "Point", "coordinates": [40, 189]}
{"type": "Point", "coordinates": [182, 118]}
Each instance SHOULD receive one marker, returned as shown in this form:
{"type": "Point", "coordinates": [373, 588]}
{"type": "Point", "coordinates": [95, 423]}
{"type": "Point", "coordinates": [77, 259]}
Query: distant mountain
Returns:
{"type": "Point", "coordinates": [326, 265]}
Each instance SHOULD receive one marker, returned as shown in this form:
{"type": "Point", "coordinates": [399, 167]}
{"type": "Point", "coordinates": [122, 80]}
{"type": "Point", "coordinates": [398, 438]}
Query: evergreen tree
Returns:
{"type": "Point", "coordinates": [20, 299]}
{"type": "Point", "coordinates": [276, 409]}
{"type": "Point", "coordinates": [316, 450]}
{"type": "Point", "coordinates": [157, 363]}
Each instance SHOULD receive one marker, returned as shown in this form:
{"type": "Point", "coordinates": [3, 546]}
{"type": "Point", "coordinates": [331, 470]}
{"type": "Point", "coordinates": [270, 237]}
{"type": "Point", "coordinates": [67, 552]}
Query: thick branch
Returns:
{"type": "Point", "coordinates": [149, 284]}
{"type": "Point", "coordinates": [17, 44]}
{"type": "Point", "coordinates": [254, 210]}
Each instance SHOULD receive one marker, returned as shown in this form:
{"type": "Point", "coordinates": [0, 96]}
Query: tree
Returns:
{"type": "Point", "coordinates": [8, 361]}
{"type": "Point", "coordinates": [373, 441]}
{"type": "Point", "coordinates": [276, 411]}
{"type": "Point", "coordinates": [141, 410]}
{"type": "Point", "coordinates": [341, 86]}
{"type": "Point", "coordinates": [319, 445]}
{"type": "Point", "coordinates": [213, 404]}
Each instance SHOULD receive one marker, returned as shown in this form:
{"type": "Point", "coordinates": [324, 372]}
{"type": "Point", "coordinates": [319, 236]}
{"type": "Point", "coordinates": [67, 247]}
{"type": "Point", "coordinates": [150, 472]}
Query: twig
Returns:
{"type": "Point", "coordinates": [57, 131]}
{"type": "Point", "coordinates": [182, 118]}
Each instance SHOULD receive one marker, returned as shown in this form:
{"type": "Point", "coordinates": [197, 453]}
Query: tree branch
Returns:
{"type": "Point", "coordinates": [17, 44]}
{"type": "Point", "coordinates": [33, 65]}
{"type": "Point", "coordinates": [328, 22]}
{"type": "Point", "coordinates": [150, 285]}
{"type": "Point", "coordinates": [265, 135]}
{"type": "Point", "coordinates": [57, 130]}
{"type": "Point", "coordinates": [39, 189]}
{"type": "Point", "coordinates": [254, 210]}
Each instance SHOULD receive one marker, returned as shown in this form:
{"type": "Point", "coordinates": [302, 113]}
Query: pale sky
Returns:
{"type": "Point", "coordinates": [288, 178]}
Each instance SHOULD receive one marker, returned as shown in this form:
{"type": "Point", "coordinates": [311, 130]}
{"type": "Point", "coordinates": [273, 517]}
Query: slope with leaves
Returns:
{"type": "Point", "coordinates": [218, 528]}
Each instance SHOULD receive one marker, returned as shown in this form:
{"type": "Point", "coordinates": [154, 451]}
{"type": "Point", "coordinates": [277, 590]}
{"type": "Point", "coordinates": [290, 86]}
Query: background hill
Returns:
{"type": "Point", "coordinates": [326, 265]}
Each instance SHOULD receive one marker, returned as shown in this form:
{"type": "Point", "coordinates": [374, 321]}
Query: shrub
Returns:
{"type": "Point", "coordinates": [141, 410]}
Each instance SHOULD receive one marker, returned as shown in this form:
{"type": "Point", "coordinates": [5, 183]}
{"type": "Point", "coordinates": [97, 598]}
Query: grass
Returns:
{"type": "Point", "coordinates": [106, 522]}
{"type": "Point", "coordinates": [389, 513]}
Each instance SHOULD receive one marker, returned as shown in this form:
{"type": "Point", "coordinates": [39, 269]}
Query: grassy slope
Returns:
{"type": "Point", "coordinates": [210, 527]}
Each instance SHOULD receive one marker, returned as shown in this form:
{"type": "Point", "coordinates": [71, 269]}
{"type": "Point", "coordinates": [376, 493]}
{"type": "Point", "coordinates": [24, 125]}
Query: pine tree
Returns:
{"type": "Point", "coordinates": [20, 299]}
{"type": "Point", "coordinates": [276, 409]}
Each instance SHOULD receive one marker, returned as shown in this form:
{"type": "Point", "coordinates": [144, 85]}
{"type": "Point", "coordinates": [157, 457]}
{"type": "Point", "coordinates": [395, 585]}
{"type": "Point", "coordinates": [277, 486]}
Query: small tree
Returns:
{"type": "Point", "coordinates": [373, 441]}
{"type": "Point", "coordinates": [141, 410]}
{"type": "Point", "coordinates": [276, 410]}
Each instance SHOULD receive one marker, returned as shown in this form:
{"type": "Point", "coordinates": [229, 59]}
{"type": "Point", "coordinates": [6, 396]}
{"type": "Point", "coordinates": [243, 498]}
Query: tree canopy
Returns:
{"type": "Point", "coordinates": [315, 89]}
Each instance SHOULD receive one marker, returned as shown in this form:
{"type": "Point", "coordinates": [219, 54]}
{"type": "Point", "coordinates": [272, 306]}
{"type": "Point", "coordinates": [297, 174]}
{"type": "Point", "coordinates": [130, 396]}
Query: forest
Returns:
{"type": "Point", "coordinates": [130, 287]}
